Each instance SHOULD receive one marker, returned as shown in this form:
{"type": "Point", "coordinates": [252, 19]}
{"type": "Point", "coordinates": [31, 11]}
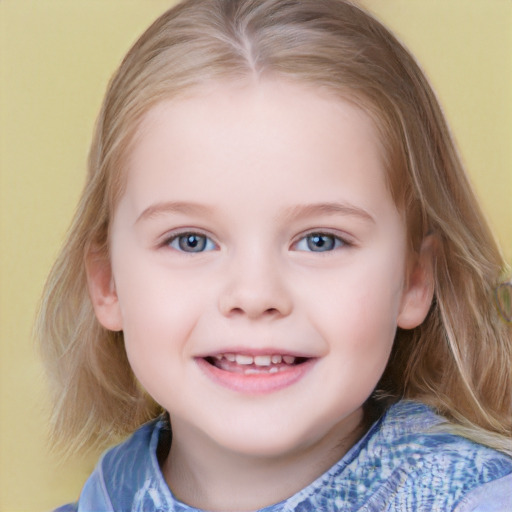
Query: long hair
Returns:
{"type": "Point", "coordinates": [458, 361]}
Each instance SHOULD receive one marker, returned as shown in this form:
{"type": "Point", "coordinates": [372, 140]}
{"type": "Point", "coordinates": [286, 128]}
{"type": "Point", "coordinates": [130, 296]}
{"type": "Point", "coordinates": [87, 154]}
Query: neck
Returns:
{"type": "Point", "coordinates": [205, 476]}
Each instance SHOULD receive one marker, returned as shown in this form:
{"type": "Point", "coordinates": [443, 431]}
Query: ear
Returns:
{"type": "Point", "coordinates": [102, 291]}
{"type": "Point", "coordinates": [419, 290]}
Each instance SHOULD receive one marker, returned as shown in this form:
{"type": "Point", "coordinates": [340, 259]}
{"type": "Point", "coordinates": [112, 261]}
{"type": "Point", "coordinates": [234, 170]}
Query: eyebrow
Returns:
{"type": "Point", "coordinates": [173, 207]}
{"type": "Point", "coordinates": [331, 208]}
{"type": "Point", "coordinates": [294, 212]}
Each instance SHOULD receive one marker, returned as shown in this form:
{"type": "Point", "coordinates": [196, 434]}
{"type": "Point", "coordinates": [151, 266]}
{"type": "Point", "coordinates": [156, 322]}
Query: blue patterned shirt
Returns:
{"type": "Point", "coordinates": [399, 465]}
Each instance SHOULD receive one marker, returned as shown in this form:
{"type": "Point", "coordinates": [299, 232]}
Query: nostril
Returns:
{"type": "Point", "coordinates": [250, 312]}
{"type": "Point", "coordinates": [253, 303]}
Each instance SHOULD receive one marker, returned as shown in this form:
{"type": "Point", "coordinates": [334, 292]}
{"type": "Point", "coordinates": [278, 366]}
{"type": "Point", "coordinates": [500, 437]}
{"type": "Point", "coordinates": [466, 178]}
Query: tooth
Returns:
{"type": "Point", "coordinates": [218, 357]}
{"type": "Point", "coordinates": [276, 359]}
{"type": "Point", "coordinates": [289, 359]}
{"type": "Point", "coordinates": [251, 371]}
{"type": "Point", "coordinates": [274, 369]}
{"type": "Point", "coordinates": [230, 357]}
{"type": "Point", "coordinates": [262, 360]}
{"type": "Point", "coordinates": [243, 359]}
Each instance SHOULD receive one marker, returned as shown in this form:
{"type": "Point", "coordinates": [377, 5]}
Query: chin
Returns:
{"type": "Point", "coordinates": [265, 447]}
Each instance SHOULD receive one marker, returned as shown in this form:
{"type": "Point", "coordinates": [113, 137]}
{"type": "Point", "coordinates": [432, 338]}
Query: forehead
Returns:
{"type": "Point", "coordinates": [265, 109]}
{"type": "Point", "coordinates": [270, 137]}
{"type": "Point", "coordinates": [186, 107]}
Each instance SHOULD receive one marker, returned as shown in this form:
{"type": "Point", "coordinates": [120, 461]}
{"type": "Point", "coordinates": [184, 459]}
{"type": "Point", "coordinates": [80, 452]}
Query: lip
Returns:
{"type": "Point", "coordinates": [255, 352]}
{"type": "Point", "coordinates": [256, 384]}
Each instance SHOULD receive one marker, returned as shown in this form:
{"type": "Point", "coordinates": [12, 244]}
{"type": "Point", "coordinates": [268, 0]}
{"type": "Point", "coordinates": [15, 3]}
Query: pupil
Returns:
{"type": "Point", "coordinates": [192, 243]}
{"type": "Point", "coordinates": [321, 242]}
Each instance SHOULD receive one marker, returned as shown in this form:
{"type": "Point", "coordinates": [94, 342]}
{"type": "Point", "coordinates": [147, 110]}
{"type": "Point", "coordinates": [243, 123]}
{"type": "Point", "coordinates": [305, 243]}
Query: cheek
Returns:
{"type": "Point", "coordinates": [158, 320]}
{"type": "Point", "coordinates": [158, 308]}
{"type": "Point", "coordinates": [156, 313]}
{"type": "Point", "coordinates": [357, 310]}
{"type": "Point", "coordinates": [372, 293]}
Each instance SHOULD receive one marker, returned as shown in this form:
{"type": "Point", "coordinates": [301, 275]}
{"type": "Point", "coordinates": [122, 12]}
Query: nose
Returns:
{"type": "Point", "coordinates": [255, 288]}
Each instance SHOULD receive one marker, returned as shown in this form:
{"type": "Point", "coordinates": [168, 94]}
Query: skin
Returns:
{"type": "Point", "coordinates": [256, 169]}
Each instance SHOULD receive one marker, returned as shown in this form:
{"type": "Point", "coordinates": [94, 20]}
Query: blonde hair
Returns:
{"type": "Point", "coordinates": [458, 361]}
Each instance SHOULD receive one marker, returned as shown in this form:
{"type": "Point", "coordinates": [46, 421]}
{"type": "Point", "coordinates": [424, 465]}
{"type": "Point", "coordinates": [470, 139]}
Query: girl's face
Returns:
{"type": "Point", "coordinates": [258, 267]}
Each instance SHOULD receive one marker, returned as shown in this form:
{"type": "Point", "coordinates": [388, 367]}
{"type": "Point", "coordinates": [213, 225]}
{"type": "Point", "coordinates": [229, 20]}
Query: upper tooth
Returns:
{"type": "Point", "coordinates": [262, 360]}
{"type": "Point", "coordinates": [243, 359]}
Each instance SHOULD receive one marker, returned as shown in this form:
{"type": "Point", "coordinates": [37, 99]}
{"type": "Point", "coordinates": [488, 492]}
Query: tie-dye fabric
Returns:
{"type": "Point", "coordinates": [397, 466]}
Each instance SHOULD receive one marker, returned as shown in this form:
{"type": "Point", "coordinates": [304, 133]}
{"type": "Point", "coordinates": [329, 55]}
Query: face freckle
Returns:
{"type": "Point", "coordinates": [292, 301]}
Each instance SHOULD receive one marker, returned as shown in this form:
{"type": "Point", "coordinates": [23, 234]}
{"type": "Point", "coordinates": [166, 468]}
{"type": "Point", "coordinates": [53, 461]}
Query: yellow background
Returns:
{"type": "Point", "coordinates": [56, 58]}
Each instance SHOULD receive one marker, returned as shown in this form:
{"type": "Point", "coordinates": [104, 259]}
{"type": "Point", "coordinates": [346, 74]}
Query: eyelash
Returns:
{"type": "Point", "coordinates": [205, 243]}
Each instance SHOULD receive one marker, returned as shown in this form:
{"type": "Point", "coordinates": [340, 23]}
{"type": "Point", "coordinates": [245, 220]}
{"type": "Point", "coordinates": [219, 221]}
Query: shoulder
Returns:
{"type": "Point", "coordinates": [132, 453]}
{"type": "Point", "coordinates": [406, 463]}
{"type": "Point", "coordinates": [122, 471]}
{"type": "Point", "coordinates": [70, 507]}
{"type": "Point", "coordinates": [495, 496]}
{"type": "Point", "coordinates": [411, 427]}
{"type": "Point", "coordinates": [432, 465]}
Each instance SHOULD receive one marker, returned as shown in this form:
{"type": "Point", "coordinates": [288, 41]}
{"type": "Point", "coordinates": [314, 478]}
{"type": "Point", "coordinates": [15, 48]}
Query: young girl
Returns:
{"type": "Point", "coordinates": [279, 278]}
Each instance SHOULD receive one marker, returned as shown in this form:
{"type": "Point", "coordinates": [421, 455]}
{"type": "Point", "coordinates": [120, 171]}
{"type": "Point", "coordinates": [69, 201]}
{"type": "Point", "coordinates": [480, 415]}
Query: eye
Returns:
{"type": "Point", "coordinates": [319, 242]}
{"type": "Point", "coordinates": [191, 242]}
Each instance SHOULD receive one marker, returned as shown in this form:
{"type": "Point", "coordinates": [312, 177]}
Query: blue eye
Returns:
{"type": "Point", "coordinates": [191, 242]}
{"type": "Point", "coordinates": [319, 242]}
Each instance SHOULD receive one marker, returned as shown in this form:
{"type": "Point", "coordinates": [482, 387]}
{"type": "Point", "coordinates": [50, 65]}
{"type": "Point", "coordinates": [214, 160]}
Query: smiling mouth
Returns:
{"type": "Point", "coordinates": [255, 365]}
